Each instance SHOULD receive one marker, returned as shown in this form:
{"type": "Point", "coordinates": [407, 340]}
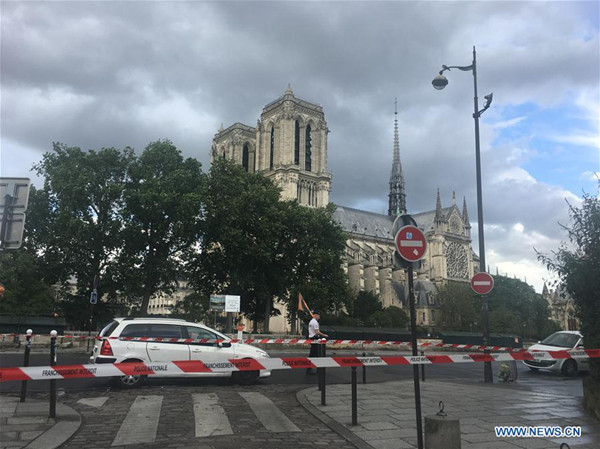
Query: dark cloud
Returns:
{"type": "Point", "coordinates": [101, 74]}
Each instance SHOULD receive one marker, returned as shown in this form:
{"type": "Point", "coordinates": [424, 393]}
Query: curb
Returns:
{"type": "Point", "coordinates": [338, 428]}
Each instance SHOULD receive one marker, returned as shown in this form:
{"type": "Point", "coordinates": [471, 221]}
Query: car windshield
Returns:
{"type": "Point", "coordinates": [561, 340]}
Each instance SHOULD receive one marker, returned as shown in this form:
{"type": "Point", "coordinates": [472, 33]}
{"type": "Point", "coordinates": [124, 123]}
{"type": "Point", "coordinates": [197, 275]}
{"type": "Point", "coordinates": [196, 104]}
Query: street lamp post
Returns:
{"type": "Point", "coordinates": [439, 82]}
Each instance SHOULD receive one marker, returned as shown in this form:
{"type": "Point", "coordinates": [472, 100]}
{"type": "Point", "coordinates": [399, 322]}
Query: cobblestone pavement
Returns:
{"type": "Point", "coordinates": [103, 414]}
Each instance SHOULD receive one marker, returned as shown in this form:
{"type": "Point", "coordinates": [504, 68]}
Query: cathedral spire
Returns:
{"type": "Point", "coordinates": [465, 215]}
{"type": "Point", "coordinates": [438, 208]}
{"type": "Point", "coordinates": [397, 197]}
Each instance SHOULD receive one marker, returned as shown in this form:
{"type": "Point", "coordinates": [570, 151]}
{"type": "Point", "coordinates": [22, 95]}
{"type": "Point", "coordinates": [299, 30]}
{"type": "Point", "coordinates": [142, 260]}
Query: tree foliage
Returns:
{"type": "Point", "coordinates": [460, 309]}
{"type": "Point", "coordinates": [578, 270]}
{"type": "Point", "coordinates": [28, 291]}
{"type": "Point", "coordinates": [514, 307]}
{"type": "Point", "coordinates": [364, 308]}
{"type": "Point", "coordinates": [161, 220]}
{"type": "Point", "coordinates": [264, 249]}
{"type": "Point", "coordinates": [75, 222]}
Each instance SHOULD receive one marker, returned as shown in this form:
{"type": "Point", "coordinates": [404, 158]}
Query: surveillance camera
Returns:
{"type": "Point", "coordinates": [489, 97]}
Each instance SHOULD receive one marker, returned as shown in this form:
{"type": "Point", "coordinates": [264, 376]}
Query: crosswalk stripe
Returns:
{"type": "Point", "coordinates": [93, 402]}
{"type": "Point", "coordinates": [141, 423]}
{"type": "Point", "coordinates": [268, 414]}
{"type": "Point", "coordinates": [209, 416]}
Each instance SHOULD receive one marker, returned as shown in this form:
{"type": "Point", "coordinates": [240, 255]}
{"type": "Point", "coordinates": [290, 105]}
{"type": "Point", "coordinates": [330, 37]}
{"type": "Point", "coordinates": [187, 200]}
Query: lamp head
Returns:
{"type": "Point", "coordinates": [439, 82]}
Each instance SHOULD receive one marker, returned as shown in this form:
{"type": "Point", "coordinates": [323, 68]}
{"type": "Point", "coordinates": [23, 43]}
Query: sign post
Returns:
{"type": "Point", "coordinates": [482, 283]}
{"type": "Point", "coordinates": [411, 245]}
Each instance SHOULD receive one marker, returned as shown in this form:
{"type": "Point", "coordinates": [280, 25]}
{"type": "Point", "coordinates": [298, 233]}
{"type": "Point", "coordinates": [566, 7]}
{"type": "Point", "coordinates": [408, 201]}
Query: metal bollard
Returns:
{"type": "Point", "coordinates": [354, 398]}
{"type": "Point", "coordinates": [364, 370]}
{"type": "Point", "coordinates": [53, 381]}
{"type": "Point", "coordinates": [322, 375]}
{"type": "Point", "coordinates": [26, 362]}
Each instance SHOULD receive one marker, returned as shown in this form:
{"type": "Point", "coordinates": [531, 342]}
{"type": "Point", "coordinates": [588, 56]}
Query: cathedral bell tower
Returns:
{"type": "Point", "coordinates": [291, 138]}
{"type": "Point", "coordinates": [288, 145]}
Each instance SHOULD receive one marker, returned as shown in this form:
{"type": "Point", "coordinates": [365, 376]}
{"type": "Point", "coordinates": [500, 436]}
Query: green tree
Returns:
{"type": "Point", "coordinates": [516, 308]}
{"type": "Point", "coordinates": [578, 270]}
{"type": "Point", "coordinates": [241, 244]}
{"type": "Point", "coordinates": [312, 251]}
{"type": "Point", "coordinates": [161, 220]}
{"type": "Point", "coordinates": [27, 288]}
{"type": "Point", "coordinates": [194, 307]}
{"type": "Point", "coordinates": [460, 309]}
{"type": "Point", "coordinates": [74, 223]}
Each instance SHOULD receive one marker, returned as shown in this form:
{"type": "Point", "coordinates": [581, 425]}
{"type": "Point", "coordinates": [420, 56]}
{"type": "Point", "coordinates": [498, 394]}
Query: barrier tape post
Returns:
{"type": "Point", "coordinates": [322, 375]}
{"type": "Point", "coordinates": [53, 381]}
{"type": "Point", "coordinates": [364, 371]}
{"type": "Point", "coordinates": [26, 362]}
{"type": "Point", "coordinates": [354, 398]}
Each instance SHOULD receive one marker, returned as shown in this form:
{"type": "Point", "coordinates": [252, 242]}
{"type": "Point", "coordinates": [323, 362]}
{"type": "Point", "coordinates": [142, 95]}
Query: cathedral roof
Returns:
{"type": "Point", "coordinates": [355, 221]}
{"type": "Point", "coordinates": [289, 95]}
{"type": "Point", "coordinates": [371, 224]}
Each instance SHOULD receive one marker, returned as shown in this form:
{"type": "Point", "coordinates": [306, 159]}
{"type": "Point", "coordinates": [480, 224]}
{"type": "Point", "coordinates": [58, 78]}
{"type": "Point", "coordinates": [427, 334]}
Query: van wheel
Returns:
{"type": "Point", "coordinates": [130, 381]}
{"type": "Point", "coordinates": [569, 368]}
{"type": "Point", "coordinates": [246, 377]}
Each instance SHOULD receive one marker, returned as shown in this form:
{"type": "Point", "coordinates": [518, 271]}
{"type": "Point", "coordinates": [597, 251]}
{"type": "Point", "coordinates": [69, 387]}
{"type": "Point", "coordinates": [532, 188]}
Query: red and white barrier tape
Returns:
{"type": "Point", "coordinates": [297, 341]}
{"type": "Point", "coordinates": [230, 365]}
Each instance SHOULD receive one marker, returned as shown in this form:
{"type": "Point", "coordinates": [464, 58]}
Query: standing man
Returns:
{"type": "Point", "coordinates": [313, 334]}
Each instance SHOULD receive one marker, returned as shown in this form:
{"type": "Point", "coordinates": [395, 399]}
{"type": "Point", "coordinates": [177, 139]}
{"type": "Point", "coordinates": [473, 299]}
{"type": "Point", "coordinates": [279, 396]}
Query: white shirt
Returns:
{"type": "Point", "coordinates": [313, 327]}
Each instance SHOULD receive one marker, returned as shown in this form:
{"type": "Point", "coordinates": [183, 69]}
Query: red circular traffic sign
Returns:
{"type": "Point", "coordinates": [482, 283]}
{"type": "Point", "coordinates": [411, 243]}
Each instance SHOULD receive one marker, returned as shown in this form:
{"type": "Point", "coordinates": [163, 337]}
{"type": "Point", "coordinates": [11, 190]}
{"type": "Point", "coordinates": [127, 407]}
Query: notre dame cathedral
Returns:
{"type": "Point", "coordinates": [289, 146]}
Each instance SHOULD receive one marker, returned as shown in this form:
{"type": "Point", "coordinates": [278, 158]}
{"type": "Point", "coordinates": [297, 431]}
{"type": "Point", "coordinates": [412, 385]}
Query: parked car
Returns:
{"type": "Point", "coordinates": [120, 350]}
{"type": "Point", "coordinates": [559, 341]}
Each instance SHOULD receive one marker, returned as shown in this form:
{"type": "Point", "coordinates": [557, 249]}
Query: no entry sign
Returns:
{"type": "Point", "coordinates": [482, 283]}
{"type": "Point", "coordinates": [411, 243]}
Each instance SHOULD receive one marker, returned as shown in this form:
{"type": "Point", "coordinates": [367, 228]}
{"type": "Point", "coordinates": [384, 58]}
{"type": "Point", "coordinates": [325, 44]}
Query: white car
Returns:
{"type": "Point", "coordinates": [117, 349]}
{"type": "Point", "coordinates": [559, 341]}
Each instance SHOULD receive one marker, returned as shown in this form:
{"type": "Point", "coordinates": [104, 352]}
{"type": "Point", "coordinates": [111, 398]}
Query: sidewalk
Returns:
{"type": "Point", "coordinates": [27, 425]}
{"type": "Point", "coordinates": [386, 414]}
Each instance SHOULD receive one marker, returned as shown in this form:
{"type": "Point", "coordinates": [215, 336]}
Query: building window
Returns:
{"type": "Point", "coordinates": [245, 157]}
{"type": "Point", "coordinates": [297, 144]}
{"type": "Point", "coordinates": [308, 150]}
{"type": "Point", "coordinates": [272, 151]}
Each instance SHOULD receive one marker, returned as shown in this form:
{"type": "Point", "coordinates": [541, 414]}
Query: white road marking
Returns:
{"type": "Point", "coordinates": [209, 416]}
{"type": "Point", "coordinates": [141, 423]}
{"type": "Point", "coordinates": [93, 402]}
{"type": "Point", "coordinates": [268, 413]}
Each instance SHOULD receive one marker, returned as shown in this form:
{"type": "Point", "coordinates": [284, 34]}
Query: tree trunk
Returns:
{"type": "Point", "coordinates": [145, 302]}
{"type": "Point", "coordinates": [294, 320]}
{"type": "Point", "coordinates": [267, 315]}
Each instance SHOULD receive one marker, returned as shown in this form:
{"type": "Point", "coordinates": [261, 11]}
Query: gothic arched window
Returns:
{"type": "Point", "coordinates": [308, 149]}
{"type": "Point", "coordinates": [297, 144]}
{"type": "Point", "coordinates": [245, 157]}
{"type": "Point", "coordinates": [272, 150]}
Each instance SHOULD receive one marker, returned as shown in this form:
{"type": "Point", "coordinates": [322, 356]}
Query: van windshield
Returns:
{"type": "Point", "coordinates": [561, 340]}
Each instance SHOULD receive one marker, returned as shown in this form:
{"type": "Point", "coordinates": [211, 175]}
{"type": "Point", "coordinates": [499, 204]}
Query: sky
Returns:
{"type": "Point", "coordinates": [116, 74]}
